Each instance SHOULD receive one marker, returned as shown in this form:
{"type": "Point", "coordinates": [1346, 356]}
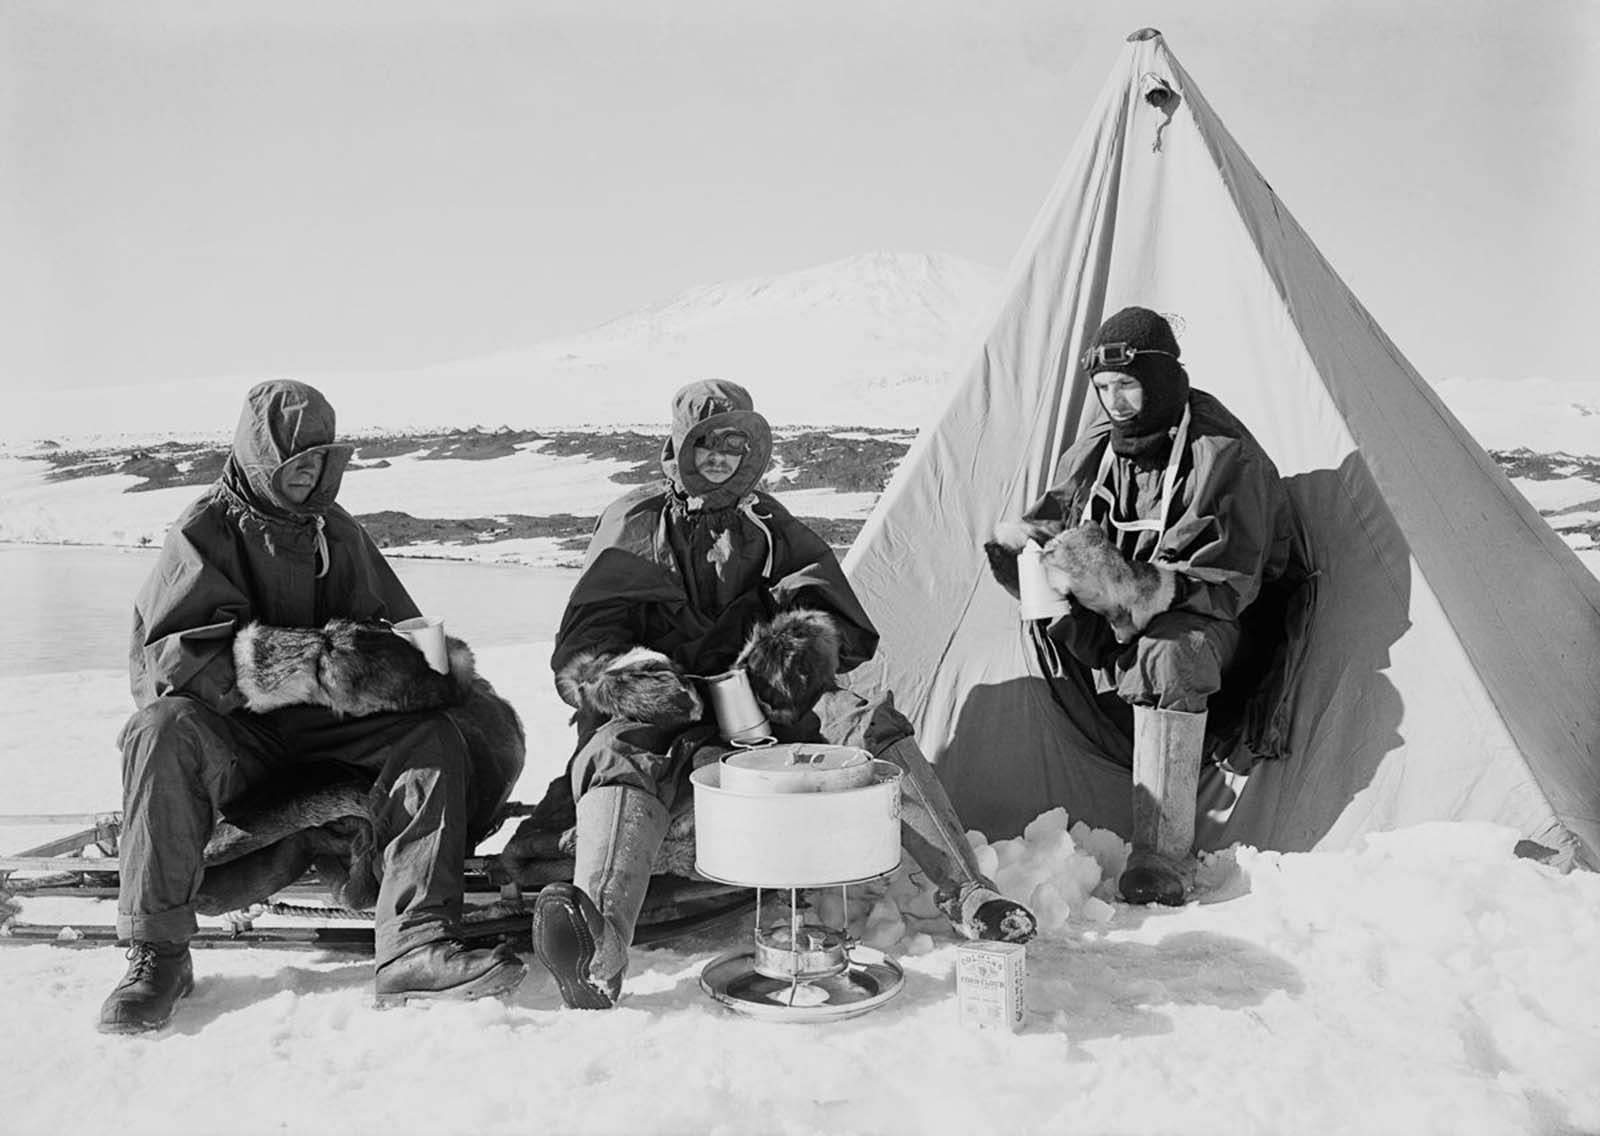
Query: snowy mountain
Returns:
{"type": "Point", "coordinates": [864, 341]}
{"type": "Point", "coordinates": [872, 340]}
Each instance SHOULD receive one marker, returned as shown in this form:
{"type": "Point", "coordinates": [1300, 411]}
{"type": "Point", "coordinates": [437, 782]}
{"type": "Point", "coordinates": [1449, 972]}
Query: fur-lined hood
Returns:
{"type": "Point", "coordinates": [701, 409]}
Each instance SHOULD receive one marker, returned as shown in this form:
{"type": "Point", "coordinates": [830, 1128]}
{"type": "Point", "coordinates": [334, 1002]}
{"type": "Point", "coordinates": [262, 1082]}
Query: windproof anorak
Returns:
{"type": "Point", "coordinates": [689, 568]}
{"type": "Point", "coordinates": [1231, 534]}
{"type": "Point", "coordinates": [244, 552]}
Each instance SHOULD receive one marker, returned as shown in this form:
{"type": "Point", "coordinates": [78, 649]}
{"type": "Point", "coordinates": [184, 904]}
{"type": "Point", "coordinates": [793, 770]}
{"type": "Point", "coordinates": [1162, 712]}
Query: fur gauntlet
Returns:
{"type": "Point", "coordinates": [354, 669]}
{"type": "Point", "coordinates": [791, 662]}
{"type": "Point", "coordinates": [639, 685]}
{"type": "Point", "coordinates": [1008, 540]}
{"type": "Point", "coordinates": [1083, 562]}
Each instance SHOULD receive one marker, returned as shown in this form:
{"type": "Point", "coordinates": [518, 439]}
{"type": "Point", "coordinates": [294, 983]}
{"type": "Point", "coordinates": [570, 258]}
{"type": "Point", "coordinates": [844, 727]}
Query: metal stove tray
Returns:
{"type": "Point", "coordinates": [871, 979]}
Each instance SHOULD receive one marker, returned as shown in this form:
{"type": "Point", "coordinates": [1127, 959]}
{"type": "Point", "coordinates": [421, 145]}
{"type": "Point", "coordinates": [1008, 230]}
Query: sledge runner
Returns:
{"type": "Point", "coordinates": [1162, 525]}
{"type": "Point", "coordinates": [259, 656]}
{"type": "Point", "coordinates": [693, 577]}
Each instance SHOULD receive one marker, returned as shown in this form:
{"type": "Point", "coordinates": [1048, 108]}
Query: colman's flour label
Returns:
{"type": "Point", "coordinates": [989, 980]}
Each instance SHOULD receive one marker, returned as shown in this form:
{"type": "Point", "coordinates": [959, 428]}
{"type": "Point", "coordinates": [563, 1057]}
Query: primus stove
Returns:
{"type": "Point", "coordinates": [799, 817]}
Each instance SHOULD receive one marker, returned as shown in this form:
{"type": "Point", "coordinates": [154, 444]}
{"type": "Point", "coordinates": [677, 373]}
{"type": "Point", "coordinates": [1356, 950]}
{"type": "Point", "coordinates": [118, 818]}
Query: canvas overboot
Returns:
{"type": "Point", "coordinates": [1167, 747]}
{"type": "Point", "coordinates": [932, 833]}
{"type": "Point", "coordinates": [158, 975]}
{"type": "Point", "coordinates": [582, 930]}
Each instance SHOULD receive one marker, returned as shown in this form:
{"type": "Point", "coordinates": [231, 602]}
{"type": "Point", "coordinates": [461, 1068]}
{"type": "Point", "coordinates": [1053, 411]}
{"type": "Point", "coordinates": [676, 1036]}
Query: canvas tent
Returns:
{"type": "Point", "coordinates": [1454, 665]}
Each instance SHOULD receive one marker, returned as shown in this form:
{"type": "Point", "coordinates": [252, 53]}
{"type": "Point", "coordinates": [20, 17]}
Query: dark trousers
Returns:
{"type": "Point", "coordinates": [183, 763]}
{"type": "Point", "coordinates": [1179, 663]}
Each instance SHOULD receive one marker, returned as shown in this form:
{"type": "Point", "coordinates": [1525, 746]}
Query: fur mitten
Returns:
{"type": "Point", "coordinates": [1008, 540]}
{"type": "Point", "coordinates": [1084, 562]}
{"type": "Point", "coordinates": [353, 669]}
{"type": "Point", "coordinates": [639, 685]}
{"type": "Point", "coordinates": [791, 662]}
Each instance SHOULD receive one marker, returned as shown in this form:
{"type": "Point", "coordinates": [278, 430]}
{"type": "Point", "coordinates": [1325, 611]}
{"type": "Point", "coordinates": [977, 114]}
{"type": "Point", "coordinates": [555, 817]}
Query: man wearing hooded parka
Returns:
{"type": "Point", "coordinates": [258, 652]}
{"type": "Point", "coordinates": [691, 577]}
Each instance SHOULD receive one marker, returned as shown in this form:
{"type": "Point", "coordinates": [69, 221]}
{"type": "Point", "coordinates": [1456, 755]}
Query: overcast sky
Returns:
{"type": "Point", "coordinates": [204, 188]}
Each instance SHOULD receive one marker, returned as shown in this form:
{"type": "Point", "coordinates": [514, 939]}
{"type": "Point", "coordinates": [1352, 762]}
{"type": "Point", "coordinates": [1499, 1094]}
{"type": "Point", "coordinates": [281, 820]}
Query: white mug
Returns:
{"type": "Point", "coordinates": [426, 633]}
{"type": "Point", "coordinates": [1036, 598]}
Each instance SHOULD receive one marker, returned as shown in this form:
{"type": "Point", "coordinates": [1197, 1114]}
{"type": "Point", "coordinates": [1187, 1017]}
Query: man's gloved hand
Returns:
{"type": "Point", "coordinates": [638, 685]}
{"type": "Point", "coordinates": [1083, 562]}
{"type": "Point", "coordinates": [1008, 540]}
{"type": "Point", "coordinates": [791, 662]}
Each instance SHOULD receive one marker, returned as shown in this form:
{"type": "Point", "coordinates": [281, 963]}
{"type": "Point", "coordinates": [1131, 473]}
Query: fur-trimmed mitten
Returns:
{"type": "Point", "coordinates": [1129, 594]}
{"type": "Point", "coordinates": [791, 662]}
{"type": "Point", "coordinates": [354, 669]}
{"type": "Point", "coordinates": [639, 685]}
{"type": "Point", "coordinates": [1008, 540]}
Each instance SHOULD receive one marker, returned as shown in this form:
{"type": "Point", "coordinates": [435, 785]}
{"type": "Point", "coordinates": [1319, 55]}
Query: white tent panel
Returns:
{"type": "Point", "coordinates": [1453, 667]}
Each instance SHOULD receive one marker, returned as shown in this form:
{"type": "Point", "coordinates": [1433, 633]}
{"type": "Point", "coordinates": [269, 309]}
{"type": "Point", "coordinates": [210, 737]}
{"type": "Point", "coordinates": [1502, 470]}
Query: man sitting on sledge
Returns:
{"type": "Point", "coordinates": [695, 576]}
{"type": "Point", "coordinates": [259, 657]}
{"type": "Point", "coordinates": [1163, 524]}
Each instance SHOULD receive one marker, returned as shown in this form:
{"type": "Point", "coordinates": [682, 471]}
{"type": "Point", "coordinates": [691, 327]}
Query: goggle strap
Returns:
{"type": "Point", "coordinates": [1117, 355]}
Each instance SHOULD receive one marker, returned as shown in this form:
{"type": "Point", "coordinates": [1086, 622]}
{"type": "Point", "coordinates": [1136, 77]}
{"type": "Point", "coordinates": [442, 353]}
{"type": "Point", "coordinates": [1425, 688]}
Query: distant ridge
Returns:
{"type": "Point", "coordinates": [869, 340]}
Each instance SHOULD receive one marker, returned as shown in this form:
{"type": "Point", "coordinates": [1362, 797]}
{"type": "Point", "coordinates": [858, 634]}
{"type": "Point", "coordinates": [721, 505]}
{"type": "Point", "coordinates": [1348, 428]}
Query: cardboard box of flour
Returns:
{"type": "Point", "coordinates": [989, 979]}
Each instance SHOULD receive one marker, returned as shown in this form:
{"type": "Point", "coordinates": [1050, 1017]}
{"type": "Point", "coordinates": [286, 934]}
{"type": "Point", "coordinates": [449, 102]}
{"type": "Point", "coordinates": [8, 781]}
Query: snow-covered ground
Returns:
{"type": "Point", "coordinates": [1429, 983]}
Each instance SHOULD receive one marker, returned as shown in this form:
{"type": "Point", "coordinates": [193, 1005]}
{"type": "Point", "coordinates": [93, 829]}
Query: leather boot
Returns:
{"type": "Point", "coordinates": [932, 833]}
{"type": "Point", "coordinates": [1167, 747]}
{"type": "Point", "coordinates": [158, 975]}
{"type": "Point", "coordinates": [581, 931]}
{"type": "Point", "coordinates": [447, 970]}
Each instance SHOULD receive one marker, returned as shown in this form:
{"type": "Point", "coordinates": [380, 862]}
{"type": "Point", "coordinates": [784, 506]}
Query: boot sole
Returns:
{"type": "Point", "coordinates": [576, 991]}
{"type": "Point", "coordinates": [126, 1029]}
{"type": "Point", "coordinates": [1148, 889]}
{"type": "Point", "coordinates": [491, 983]}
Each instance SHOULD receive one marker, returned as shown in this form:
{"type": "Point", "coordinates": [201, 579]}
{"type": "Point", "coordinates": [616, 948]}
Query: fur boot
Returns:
{"type": "Point", "coordinates": [639, 685]}
{"type": "Point", "coordinates": [354, 669]}
{"type": "Point", "coordinates": [1084, 562]}
{"type": "Point", "coordinates": [792, 662]}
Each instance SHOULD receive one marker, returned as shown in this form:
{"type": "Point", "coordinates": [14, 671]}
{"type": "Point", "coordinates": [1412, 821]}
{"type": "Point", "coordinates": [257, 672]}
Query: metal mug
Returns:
{"type": "Point", "coordinates": [740, 719]}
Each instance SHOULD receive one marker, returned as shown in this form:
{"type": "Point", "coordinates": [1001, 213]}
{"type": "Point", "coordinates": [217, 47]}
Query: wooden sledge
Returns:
{"type": "Point", "coordinates": [83, 865]}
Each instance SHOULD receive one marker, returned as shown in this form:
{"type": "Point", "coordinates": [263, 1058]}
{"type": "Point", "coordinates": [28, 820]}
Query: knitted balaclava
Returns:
{"type": "Point", "coordinates": [1165, 382]}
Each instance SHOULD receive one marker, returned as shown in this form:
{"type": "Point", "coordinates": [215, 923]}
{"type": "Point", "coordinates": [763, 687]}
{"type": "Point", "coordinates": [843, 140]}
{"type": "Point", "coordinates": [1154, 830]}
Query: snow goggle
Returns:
{"type": "Point", "coordinates": [1116, 355]}
{"type": "Point", "coordinates": [734, 443]}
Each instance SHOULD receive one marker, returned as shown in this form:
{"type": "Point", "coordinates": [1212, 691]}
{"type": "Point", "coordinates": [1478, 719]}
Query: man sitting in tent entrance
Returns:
{"type": "Point", "coordinates": [1162, 525]}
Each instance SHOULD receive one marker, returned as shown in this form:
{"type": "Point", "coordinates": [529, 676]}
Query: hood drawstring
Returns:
{"type": "Point", "coordinates": [747, 506]}
{"type": "Point", "coordinates": [323, 558]}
